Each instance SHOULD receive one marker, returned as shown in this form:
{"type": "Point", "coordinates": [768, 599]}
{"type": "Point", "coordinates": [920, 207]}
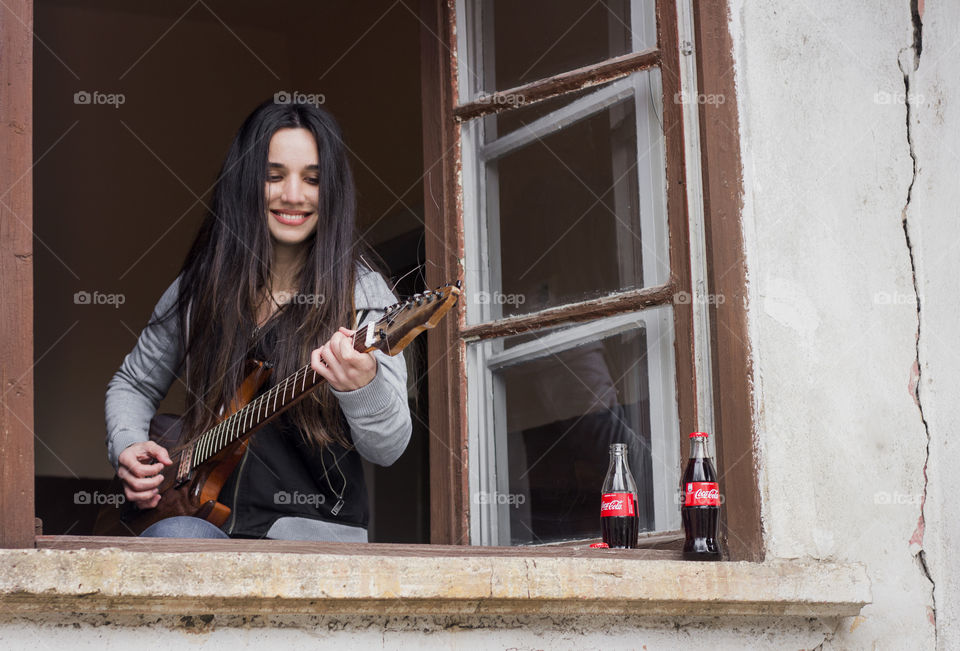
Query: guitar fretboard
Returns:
{"type": "Point", "coordinates": [261, 409]}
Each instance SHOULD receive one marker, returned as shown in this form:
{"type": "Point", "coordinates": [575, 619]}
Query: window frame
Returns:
{"type": "Point", "coordinates": [722, 183]}
{"type": "Point", "coordinates": [719, 145]}
{"type": "Point", "coordinates": [661, 226]}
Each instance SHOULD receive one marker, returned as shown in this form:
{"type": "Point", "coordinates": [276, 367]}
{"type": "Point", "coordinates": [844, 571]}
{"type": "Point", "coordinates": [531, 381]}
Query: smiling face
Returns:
{"type": "Point", "coordinates": [292, 189]}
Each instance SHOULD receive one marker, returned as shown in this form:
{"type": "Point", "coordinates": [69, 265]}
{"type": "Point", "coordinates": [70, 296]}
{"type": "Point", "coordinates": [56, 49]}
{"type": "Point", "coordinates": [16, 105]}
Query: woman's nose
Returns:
{"type": "Point", "coordinates": [292, 191]}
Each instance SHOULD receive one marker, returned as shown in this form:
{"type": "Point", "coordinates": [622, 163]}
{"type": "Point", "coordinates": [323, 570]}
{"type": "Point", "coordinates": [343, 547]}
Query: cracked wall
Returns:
{"type": "Point", "coordinates": [909, 60]}
{"type": "Point", "coordinates": [931, 219]}
{"type": "Point", "coordinates": [848, 198]}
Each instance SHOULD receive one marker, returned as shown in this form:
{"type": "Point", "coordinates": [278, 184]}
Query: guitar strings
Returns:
{"type": "Point", "coordinates": [215, 439]}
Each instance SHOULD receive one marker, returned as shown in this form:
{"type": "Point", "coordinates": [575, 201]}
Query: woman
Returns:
{"type": "Point", "coordinates": [272, 273]}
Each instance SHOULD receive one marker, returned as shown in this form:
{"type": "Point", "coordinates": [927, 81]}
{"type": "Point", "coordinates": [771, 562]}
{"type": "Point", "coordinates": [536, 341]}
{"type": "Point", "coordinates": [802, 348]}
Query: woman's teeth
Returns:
{"type": "Point", "coordinates": [292, 219]}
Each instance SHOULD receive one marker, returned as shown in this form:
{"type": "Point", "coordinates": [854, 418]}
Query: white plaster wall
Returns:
{"type": "Point", "coordinates": [111, 633]}
{"type": "Point", "coordinates": [833, 313]}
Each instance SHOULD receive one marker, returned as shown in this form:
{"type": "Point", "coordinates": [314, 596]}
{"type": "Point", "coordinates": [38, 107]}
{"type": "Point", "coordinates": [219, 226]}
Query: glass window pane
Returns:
{"type": "Point", "coordinates": [558, 222]}
{"type": "Point", "coordinates": [559, 410]}
{"type": "Point", "coordinates": [572, 204]}
{"type": "Point", "coordinates": [514, 43]}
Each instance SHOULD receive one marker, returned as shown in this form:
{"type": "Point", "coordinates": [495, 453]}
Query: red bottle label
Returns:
{"type": "Point", "coordinates": [702, 493]}
{"type": "Point", "coordinates": [614, 504]}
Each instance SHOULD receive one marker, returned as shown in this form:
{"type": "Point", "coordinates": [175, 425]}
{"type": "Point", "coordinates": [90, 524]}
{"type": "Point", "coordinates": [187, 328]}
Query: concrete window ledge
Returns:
{"type": "Point", "coordinates": [115, 580]}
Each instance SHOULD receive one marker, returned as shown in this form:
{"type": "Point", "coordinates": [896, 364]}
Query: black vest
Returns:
{"type": "Point", "coordinates": [282, 474]}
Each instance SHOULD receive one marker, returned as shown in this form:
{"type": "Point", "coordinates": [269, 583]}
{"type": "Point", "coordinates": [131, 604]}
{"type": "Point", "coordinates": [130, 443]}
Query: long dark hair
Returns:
{"type": "Point", "coordinates": [227, 274]}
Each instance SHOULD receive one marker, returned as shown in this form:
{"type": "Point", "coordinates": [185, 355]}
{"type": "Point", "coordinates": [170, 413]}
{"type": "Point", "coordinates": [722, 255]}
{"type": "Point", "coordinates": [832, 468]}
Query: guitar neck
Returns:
{"type": "Point", "coordinates": [262, 409]}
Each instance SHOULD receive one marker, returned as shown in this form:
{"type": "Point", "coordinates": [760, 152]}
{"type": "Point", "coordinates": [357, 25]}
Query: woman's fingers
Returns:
{"type": "Point", "coordinates": [147, 500]}
{"type": "Point", "coordinates": [144, 459]}
{"type": "Point", "coordinates": [144, 499]}
{"type": "Point", "coordinates": [139, 484]}
{"type": "Point", "coordinates": [341, 364]}
{"type": "Point", "coordinates": [139, 468]}
{"type": "Point", "coordinates": [158, 452]}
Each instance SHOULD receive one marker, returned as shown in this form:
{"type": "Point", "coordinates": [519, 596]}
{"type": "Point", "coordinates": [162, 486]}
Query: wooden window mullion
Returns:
{"type": "Point", "coordinates": [560, 84]}
{"type": "Point", "coordinates": [737, 462]}
{"type": "Point", "coordinates": [677, 214]}
{"type": "Point", "coordinates": [446, 380]}
{"type": "Point", "coordinates": [17, 520]}
{"type": "Point", "coordinates": [599, 308]}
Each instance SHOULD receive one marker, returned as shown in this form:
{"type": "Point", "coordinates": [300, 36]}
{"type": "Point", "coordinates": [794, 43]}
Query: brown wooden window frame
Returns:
{"type": "Point", "coordinates": [444, 241]}
{"type": "Point", "coordinates": [445, 251]}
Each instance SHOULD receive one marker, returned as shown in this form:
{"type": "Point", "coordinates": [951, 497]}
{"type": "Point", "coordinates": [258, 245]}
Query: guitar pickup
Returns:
{"type": "Point", "coordinates": [185, 467]}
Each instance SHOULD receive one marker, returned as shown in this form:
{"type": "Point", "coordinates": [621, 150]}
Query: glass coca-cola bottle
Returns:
{"type": "Point", "coordinates": [619, 519]}
{"type": "Point", "coordinates": [701, 503]}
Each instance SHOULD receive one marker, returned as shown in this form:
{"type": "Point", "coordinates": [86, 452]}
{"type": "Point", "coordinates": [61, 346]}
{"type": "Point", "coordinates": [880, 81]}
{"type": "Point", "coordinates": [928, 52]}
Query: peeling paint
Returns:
{"type": "Point", "coordinates": [914, 382]}
{"type": "Point", "coordinates": [916, 540]}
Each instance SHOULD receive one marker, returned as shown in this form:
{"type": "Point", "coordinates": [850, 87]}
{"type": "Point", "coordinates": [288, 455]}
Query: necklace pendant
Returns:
{"type": "Point", "coordinates": [336, 507]}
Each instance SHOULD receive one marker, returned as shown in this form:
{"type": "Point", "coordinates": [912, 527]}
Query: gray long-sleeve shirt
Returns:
{"type": "Point", "coordinates": [377, 413]}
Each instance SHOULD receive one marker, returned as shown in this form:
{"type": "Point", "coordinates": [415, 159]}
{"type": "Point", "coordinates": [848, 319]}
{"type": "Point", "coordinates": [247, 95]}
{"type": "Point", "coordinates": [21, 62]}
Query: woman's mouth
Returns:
{"type": "Point", "coordinates": [290, 217]}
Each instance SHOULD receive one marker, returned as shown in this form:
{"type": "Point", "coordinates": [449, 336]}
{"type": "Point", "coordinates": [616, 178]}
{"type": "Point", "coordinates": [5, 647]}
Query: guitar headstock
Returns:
{"type": "Point", "coordinates": [403, 321]}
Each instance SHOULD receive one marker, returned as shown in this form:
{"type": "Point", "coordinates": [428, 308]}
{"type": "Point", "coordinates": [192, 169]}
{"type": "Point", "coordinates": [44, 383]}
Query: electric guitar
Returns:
{"type": "Point", "coordinates": [202, 463]}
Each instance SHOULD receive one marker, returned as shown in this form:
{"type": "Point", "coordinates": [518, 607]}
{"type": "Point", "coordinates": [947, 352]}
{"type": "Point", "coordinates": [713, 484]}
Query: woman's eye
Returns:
{"type": "Point", "coordinates": [313, 181]}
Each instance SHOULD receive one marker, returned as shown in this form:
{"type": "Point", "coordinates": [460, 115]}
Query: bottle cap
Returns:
{"type": "Point", "coordinates": [698, 435]}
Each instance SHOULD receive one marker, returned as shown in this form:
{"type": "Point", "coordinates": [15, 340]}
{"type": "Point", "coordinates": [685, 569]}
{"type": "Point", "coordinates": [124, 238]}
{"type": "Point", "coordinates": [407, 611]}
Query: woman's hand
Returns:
{"type": "Point", "coordinates": [139, 468]}
{"type": "Point", "coordinates": [342, 366]}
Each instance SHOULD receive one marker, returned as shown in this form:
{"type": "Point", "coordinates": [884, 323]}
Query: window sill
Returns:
{"type": "Point", "coordinates": [414, 579]}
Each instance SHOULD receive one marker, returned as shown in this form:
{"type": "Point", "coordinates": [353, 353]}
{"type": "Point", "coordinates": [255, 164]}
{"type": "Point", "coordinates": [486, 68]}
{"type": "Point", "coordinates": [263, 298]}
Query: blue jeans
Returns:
{"type": "Point", "coordinates": [183, 526]}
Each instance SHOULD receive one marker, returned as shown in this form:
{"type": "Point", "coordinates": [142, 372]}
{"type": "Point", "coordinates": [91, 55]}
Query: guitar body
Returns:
{"type": "Point", "coordinates": [196, 497]}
